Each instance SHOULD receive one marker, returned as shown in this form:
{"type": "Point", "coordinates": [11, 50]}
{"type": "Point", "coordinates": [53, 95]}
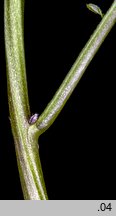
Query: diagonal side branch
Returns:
{"type": "Point", "coordinates": [65, 90]}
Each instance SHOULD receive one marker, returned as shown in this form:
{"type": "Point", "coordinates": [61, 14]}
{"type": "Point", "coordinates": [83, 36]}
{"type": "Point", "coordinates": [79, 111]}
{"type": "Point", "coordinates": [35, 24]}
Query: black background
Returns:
{"type": "Point", "coordinates": [78, 151]}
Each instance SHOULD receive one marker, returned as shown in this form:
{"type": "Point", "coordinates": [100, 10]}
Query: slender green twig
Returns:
{"type": "Point", "coordinates": [62, 95]}
{"type": "Point", "coordinates": [26, 146]}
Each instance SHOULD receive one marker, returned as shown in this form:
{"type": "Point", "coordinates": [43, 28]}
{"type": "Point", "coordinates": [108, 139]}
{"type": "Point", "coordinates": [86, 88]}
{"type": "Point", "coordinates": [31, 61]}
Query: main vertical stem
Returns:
{"type": "Point", "coordinates": [26, 144]}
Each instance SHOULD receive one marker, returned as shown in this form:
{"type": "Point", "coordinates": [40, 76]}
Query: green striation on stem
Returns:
{"type": "Point", "coordinates": [26, 144]}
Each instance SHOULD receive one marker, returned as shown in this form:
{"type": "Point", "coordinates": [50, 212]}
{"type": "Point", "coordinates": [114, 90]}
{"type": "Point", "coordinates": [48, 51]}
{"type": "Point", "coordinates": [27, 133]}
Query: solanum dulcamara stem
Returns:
{"type": "Point", "coordinates": [26, 145]}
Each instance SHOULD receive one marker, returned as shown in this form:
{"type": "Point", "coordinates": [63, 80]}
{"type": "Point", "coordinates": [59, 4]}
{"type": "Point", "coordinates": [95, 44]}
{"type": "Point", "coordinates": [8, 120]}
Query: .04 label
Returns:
{"type": "Point", "coordinates": [104, 207]}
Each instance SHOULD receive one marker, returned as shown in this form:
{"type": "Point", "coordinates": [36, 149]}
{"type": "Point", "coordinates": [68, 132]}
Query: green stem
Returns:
{"type": "Point", "coordinates": [25, 135]}
{"type": "Point", "coordinates": [62, 95]}
{"type": "Point", "coordinates": [26, 145]}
